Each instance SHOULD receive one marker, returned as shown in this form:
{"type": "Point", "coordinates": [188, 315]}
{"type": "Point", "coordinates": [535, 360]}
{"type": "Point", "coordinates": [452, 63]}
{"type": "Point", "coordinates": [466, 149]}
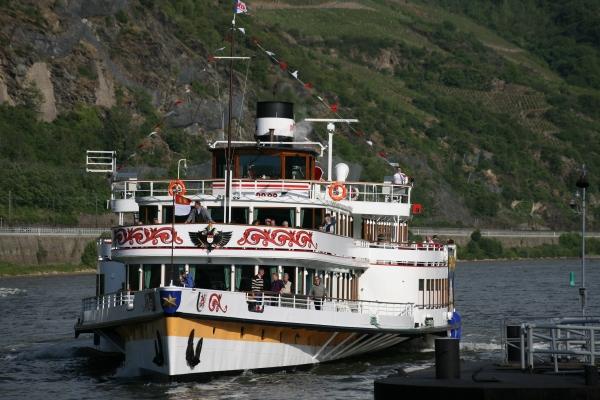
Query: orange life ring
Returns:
{"type": "Point", "coordinates": [337, 191]}
{"type": "Point", "coordinates": [177, 186]}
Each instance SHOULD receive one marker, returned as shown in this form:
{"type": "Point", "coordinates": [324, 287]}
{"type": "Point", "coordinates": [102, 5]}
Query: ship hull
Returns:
{"type": "Point", "coordinates": [179, 346]}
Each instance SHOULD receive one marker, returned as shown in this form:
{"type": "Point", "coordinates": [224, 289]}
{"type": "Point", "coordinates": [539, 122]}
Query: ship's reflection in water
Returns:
{"type": "Point", "coordinates": [39, 358]}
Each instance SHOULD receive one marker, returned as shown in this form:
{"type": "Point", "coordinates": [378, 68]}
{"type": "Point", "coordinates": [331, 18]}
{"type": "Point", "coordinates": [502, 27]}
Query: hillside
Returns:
{"type": "Point", "coordinates": [492, 107]}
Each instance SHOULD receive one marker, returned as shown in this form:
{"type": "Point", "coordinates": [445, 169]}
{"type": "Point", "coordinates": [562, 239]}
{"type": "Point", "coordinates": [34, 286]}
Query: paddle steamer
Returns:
{"type": "Point", "coordinates": [380, 288]}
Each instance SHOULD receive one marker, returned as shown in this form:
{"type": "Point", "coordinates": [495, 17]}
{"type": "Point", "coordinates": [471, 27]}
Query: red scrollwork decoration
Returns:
{"type": "Point", "coordinates": [214, 303]}
{"type": "Point", "coordinates": [277, 237]}
{"type": "Point", "coordinates": [142, 235]}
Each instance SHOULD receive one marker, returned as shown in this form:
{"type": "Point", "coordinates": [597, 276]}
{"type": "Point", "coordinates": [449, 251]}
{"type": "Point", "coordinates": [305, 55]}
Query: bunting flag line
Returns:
{"type": "Point", "coordinates": [332, 107]}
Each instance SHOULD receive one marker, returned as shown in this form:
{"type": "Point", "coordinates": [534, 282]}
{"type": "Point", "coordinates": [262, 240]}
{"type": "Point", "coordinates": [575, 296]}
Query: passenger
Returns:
{"type": "Point", "coordinates": [273, 222]}
{"type": "Point", "coordinates": [188, 281]}
{"type": "Point", "coordinates": [285, 224]}
{"type": "Point", "coordinates": [399, 178]}
{"type": "Point", "coordinates": [318, 292]}
{"type": "Point", "coordinates": [182, 279]}
{"type": "Point", "coordinates": [256, 222]}
{"type": "Point", "coordinates": [268, 221]}
{"type": "Point", "coordinates": [276, 283]}
{"type": "Point", "coordinates": [329, 224]}
{"type": "Point", "coordinates": [258, 283]}
{"type": "Point", "coordinates": [287, 284]}
{"type": "Point", "coordinates": [198, 214]}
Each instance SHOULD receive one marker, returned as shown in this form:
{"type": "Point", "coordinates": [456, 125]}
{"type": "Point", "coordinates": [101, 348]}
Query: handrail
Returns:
{"type": "Point", "coordinates": [315, 190]}
{"type": "Point", "coordinates": [50, 231]}
{"type": "Point", "coordinates": [110, 300]}
{"type": "Point", "coordinates": [273, 299]}
{"type": "Point", "coordinates": [570, 338]}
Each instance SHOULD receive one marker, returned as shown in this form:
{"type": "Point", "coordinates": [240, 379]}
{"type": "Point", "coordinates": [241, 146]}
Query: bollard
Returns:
{"type": "Point", "coordinates": [591, 375]}
{"type": "Point", "coordinates": [447, 358]}
{"type": "Point", "coordinates": [513, 338]}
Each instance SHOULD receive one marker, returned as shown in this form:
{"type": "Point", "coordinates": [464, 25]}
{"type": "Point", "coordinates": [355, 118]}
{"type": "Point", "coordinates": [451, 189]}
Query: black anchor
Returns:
{"type": "Point", "coordinates": [193, 358]}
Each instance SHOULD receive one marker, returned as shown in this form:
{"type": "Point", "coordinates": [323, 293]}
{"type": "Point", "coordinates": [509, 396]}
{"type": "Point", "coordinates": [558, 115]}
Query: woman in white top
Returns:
{"type": "Point", "coordinates": [287, 285]}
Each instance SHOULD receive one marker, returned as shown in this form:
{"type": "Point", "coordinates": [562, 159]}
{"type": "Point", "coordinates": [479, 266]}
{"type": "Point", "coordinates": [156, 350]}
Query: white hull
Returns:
{"type": "Point", "coordinates": [227, 354]}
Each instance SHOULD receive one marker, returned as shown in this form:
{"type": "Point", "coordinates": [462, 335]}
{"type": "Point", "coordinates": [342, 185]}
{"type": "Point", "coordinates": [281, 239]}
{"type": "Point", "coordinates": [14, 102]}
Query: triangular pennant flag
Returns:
{"type": "Point", "coordinates": [308, 85]}
{"type": "Point", "coordinates": [370, 143]}
{"type": "Point", "coordinates": [382, 154]}
{"type": "Point", "coordinates": [179, 199]}
{"type": "Point", "coordinates": [220, 49]}
{"type": "Point", "coordinates": [270, 53]}
{"type": "Point", "coordinates": [333, 107]}
{"type": "Point", "coordinates": [295, 74]}
{"type": "Point", "coordinates": [178, 102]}
{"type": "Point", "coordinates": [283, 65]}
{"type": "Point", "coordinates": [211, 59]}
{"type": "Point", "coordinates": [243, 30]}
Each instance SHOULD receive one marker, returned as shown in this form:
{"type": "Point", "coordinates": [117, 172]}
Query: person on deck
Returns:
{"type": "Point", "coordinates": [318, 292]}
{"type": "Point", "coordinates": [287, 284]}
{"type": "Point", "coordinates": [276, 283]}
{"type": "Point", "coordinates": [188, 281]}
{"type": "Point", "coordinates": [198, 215]}
{"type": "Point", "coordinates": [258, 283]}
{"type": "Point", "coordinates": [399, 178]}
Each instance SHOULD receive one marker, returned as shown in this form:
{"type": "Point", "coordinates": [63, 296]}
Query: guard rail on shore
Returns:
{"type": "Point", "coordinates": [52, 231]}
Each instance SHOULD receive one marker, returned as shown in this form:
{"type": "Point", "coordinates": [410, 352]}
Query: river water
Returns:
{"type": "Point", "coordinates": [40, 358]}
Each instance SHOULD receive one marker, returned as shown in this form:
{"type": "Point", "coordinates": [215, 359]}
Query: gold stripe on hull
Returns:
{"type": "Point", "coordinates": [224, 330]}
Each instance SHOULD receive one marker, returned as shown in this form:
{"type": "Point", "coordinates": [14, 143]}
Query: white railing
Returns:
{"type": "Point", "coordinates": [569, 340]}
{"type": "Point", "coordinates": [261, 299]}
{"type": "Point", "coordinates": [107, 301]}
{"type": "Point", "coordinates": [316, 190]}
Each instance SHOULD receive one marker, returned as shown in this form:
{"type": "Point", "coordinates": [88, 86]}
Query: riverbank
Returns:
{"type": "Point", "coordinates": [10, 270]}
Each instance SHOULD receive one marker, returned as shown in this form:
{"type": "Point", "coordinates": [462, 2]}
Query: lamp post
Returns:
{"type": "Point", "coordinates": [582, 184]}
{"type": "Point", "coordinates": [179, 164]}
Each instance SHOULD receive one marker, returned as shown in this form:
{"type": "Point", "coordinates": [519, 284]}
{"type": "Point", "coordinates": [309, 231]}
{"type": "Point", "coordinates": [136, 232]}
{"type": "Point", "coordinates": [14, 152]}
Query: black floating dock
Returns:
{"type": "Point", "coordinates": [490, 382]}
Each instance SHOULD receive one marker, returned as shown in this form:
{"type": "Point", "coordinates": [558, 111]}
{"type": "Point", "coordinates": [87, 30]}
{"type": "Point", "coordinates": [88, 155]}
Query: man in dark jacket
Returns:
{"type": "Point", "coordinates": [198, 215]}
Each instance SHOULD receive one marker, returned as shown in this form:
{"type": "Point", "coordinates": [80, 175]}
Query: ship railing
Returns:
{"type": "Point", "coordinates": [559, 342]}
{"type": "Point", "coordinates": [315, 190]}
{"type": "Point", "coordinates": [110, 300]}
{"type": "Point", "coordinates": [407, 246]}
{"type": "Point", "coordinates": [257, 300]}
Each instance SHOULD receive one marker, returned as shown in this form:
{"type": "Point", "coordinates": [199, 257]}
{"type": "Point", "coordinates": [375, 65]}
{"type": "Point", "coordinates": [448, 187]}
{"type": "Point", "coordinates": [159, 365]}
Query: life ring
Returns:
{"type": "Point", "coordinates": [337, 191]}
{"type": "Point", "coordinates": [177, 186]}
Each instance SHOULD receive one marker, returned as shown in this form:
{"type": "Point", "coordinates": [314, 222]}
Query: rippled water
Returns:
{"type": "Point", "coordinates": [40, 358]}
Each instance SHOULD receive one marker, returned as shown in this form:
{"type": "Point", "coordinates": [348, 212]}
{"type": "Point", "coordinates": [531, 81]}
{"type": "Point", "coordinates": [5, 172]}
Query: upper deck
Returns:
{"type": "Point", "coordinates": [365, 198]}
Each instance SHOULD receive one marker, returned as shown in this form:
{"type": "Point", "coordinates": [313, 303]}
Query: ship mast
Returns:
{"type": "Point", "coordinates": [229, 151]}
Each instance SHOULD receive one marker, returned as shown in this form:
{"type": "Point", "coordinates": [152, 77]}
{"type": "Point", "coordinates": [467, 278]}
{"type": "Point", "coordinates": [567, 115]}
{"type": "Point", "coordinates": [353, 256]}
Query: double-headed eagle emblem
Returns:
{"type": "Point", "coordinates": [210, 238]}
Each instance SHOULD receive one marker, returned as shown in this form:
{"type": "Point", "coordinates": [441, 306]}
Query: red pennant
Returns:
{"type": "Point", "coordinates": [308, 85]}
{"type": "Point", "coordinates": [283, 65]}
{"type": "Point", "coordinates": [178, 102]}
{"type": "Point", "coordinates": [382, 154]}
{"type": "Point", "coordinates": [211, 58]}
{"type": "Point", "coordinates": [360, 133]}
{"type": "Point", "coordinates": [141, 146]}
{"type": "Point", "coordinates": [333, 107]}
{"type": "Point", "coordinates": [179, 199]}
{"type": "Point", "coordinates": [254, 40]}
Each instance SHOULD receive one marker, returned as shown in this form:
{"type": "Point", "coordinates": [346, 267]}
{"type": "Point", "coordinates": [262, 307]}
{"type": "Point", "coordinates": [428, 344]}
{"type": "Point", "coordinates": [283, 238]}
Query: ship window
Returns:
{"type": "Point", "coordinates": [133, 277]}
{"type": "Point", "coordinates": [212, 277]}
{"type": "Point", "coordinates": [148, 214]}
{"type": "Point", "coordinates": [295, 167]}
{"type": "Point", "coordinates": [258, 166]}
{"type": "Point", "coordinates": [151, 276]}
{"type": "Point", "coordinates": [220, 166]}
{"type": "Point", "coordinates": [277, 214]}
